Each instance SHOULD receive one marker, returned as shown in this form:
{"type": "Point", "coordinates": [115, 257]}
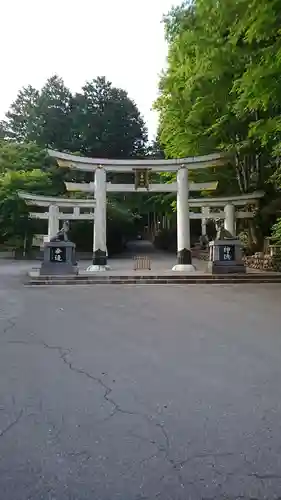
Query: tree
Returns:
{"type": "Point", "coordinates": [23, 166]}
{"type": "Point", "coordinates": [14, 219]}
{"type": "Point", "coordinates": [155, 150]}
{"type": "Point", "coordinates": [27, 167]}
{"type": "Point", "coordinates": [43, 117]}
{"type": "Point", "coordinates": [106, 123]}
{"type": "Point", "coordinates": [22, 118]}
{"type": "Point", "coordinates": [54, 115]}
{"type": "Point", "coordinates": [258, 88]}
{"type": "Point", "coordinates": [221, 90]}
{"type": "Point", "coordinates": [28, 156]}
{"type": "Point", "coordinates": [199, 91]}
{"type": "Point", "coordinates": [101, 121]}
{"type": "Point", "coordinates": [24, 156]}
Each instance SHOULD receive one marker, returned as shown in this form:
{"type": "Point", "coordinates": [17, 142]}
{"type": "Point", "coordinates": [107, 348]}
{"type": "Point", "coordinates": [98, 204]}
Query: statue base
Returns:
{"type": "Point", "coordinates": [188, 268]}
{"type": "Point", "coordinates": [226, 257]}
{"type": "Point", "coordinates": [184, 261]}
{"type": "Point", "coordinates": [59, 258]}
{"type": "Point", "coordinates": [95, 268]}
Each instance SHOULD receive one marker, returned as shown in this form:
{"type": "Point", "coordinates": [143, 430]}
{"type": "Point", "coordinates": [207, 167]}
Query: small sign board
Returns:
{"type": "Point", "coordinates": [227, 253]}
{"type": "Point", "coordinates": [38, 240]}
{"type": "Point", "coordinates": [57, 254]}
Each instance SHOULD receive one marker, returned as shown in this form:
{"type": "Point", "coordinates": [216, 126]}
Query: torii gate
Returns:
{"type": "Point", "coordinates": [142, 169]}
{"type": "Point", "coordinates": [54, 215]}
{"type": "Point", "coordinates": [75, 207]}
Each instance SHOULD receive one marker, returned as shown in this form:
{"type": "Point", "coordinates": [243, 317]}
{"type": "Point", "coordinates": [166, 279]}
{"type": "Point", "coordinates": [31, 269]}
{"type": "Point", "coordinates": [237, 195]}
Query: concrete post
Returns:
{"type": "Point", "coordinates": [229, 221]}
{"type": "Point", "coordinates": [183, 223]}
{"type": "Point", "coordinates": [99, 243]}
{"type": "Point", "coordinates": [53, 221]}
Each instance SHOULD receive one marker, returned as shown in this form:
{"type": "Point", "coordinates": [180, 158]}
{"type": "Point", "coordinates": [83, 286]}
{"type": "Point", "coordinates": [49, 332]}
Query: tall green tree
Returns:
{"type": "Point", "coordinates": [258, 88]}
{"type": "Point", "coordinates": [43, 117]}
{"type": "Point", "coordinates": [106, 123]}
{"type": "Point", "coordinates": [22, 119]}
{"type": "Point", "coordinates": [54, 115]}
{"type": "Point", "coordinates": [201, 95]}
{"type": "Point", "coordinates": [100, 121]}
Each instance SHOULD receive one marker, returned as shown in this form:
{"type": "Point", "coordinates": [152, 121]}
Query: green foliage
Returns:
{"type": "Point", "coordinates": [14, 220]}
{"type": "Point", "coordinates": [222, 85]}
{"type": "Point", "coordinates": [22, 118]}
{"type": "Point", "coordinates": [221, 91]}
{"type": "Point", "coordinates": [28, 156]}
{"type": "Point", "coordinates": [22, 156]}
{"type": "Point", "coordinates": [276, 232]}
{"type": "Point", "coordinates": [23, 166]}
{"type": "Point", "coordinates": [106, 123]}
{"type": "Point", "coordinates": [276, 229]}
{"type": "Point", "coordinates": [100, 121]}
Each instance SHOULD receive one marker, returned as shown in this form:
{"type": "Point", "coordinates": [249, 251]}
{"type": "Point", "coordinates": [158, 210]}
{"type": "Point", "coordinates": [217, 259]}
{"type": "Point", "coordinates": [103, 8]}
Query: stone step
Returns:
{"type": "Point", "coordinates": [104, 276]}
{"type": "Point", "coordinates": [154, 280]}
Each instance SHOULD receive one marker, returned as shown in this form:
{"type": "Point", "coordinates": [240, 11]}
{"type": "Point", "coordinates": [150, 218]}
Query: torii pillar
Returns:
{"type": "Point", "coordinates": [53, 222]}
{"type": "Point", "coordinates": [229, 221]}
{"type": "Point", "coordinates": [99, 242]}
{"type": "Point", "coordinates": [183, 223]}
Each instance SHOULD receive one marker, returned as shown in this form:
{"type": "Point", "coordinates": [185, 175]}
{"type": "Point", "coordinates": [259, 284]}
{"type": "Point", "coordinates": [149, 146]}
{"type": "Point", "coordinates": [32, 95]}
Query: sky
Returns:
{"type": "Point", "coordinates": [79, 40]}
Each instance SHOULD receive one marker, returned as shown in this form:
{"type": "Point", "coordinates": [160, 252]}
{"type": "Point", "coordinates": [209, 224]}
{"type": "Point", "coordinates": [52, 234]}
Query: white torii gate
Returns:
{"type": "Point", "coordinates": [54, 215]}
{"type": "Point", "coordinates": [101, 166]}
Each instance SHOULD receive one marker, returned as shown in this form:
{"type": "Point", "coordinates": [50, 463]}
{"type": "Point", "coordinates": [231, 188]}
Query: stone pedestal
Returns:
{"type": "Point", "coordinates": [59, 258]}
{"type": "Point", "coordinates": [226, 257]}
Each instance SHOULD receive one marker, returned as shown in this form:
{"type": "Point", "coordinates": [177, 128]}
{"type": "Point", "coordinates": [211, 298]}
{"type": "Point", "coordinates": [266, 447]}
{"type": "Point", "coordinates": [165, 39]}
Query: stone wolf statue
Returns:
{"type": "Point", "coordinates": [222, 233]}
{"type": "Point", "coordinates": [62, 233]}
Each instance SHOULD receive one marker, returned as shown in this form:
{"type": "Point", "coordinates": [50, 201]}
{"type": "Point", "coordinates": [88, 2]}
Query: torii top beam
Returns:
{"type": "Point", "coordinates": [91, 164]}
{"type": "Point", "coordinates": [237, 200]}
{"type": "Point", "coordinates": [45, 201]}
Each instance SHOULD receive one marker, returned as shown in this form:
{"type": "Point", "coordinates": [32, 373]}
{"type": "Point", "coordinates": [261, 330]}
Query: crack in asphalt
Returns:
{"type": "Point", "coordinates": [11, 323]}
{"type": "Point", "coordinates": [264, 477]}
{"type": "Point", "coordinates": [163, 448]}
{"type": "Point", "coordinates": [64, 354]}
{"type": "Point", "coordinates": [204, 455]}
{"type": "Point", "coordinates": [11, 424]}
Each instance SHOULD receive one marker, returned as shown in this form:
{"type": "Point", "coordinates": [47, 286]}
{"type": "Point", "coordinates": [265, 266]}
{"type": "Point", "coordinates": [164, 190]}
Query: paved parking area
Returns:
{"type": "Point", "coordinates": [130, 393]}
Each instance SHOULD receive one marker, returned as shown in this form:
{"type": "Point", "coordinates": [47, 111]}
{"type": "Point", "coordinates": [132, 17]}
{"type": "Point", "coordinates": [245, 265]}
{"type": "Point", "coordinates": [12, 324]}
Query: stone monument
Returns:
{"type": "Point", "coordinates": [225, 253]}
{"type": "Point", "coordinates": [59, 254]}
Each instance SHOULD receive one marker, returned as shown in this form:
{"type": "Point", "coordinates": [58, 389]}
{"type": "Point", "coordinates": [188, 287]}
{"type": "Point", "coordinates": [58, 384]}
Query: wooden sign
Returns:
{"type": "Point", "coordinates": [142, 178]}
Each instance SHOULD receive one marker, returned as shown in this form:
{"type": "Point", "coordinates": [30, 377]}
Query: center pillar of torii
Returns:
{"type": "Point", "coordinates": [99, 240]}
{"type": "Point", "coordinates": [184, 259]}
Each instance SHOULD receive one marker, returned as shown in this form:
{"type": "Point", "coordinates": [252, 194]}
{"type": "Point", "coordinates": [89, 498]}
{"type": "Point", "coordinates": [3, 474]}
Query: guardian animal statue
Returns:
{"type": "Point", "coordinates": [62, 233]}
{"type": "Point", "coordinates": [222, 233]}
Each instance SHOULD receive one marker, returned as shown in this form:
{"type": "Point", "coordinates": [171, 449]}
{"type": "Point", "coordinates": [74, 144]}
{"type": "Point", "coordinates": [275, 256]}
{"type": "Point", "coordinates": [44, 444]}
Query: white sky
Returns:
{"type": "Point", "coordinates": [81, 39]}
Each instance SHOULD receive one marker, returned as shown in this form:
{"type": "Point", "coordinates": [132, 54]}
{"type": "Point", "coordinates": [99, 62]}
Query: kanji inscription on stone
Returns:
{"type": "Point", "coordinates": [57, 254]}
{"type": "Point", "coordinates": [227, 253]}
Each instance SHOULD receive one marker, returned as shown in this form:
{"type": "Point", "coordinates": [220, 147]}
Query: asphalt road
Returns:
{"type": "Point", "coordinates": [140, 392]}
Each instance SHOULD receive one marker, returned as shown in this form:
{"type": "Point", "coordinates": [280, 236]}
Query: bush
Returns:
{"type": "Point", "coordinates": [276, 232]}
